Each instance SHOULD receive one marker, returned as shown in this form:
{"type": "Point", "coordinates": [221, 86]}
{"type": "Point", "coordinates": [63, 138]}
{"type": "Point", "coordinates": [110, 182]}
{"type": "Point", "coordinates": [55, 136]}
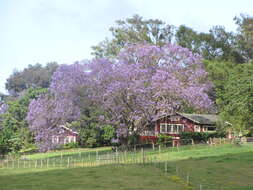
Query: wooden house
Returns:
{"type": "Point", "coordinates": [65, 135]}
{"type": "Point", "coordinates": [174, 124]}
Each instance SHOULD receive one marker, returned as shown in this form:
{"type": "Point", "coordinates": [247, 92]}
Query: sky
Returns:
{"type": "Point", "coordinates": [42, 31]}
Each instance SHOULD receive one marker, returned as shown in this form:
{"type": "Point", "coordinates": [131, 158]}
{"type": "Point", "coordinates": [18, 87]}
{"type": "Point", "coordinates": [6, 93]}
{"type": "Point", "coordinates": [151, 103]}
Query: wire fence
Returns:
{"type": "Point", "coordinates": [145, 155]}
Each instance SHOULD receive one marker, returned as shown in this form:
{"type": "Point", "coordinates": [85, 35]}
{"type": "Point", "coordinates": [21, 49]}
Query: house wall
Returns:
{"type": "Point", "coordinates": [189, 126]}
{"type": "Point", "coordinates": [64, 137]}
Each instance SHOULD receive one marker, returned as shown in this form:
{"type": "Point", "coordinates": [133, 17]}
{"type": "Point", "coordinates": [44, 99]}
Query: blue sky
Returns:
{"type": "Point", "coordinates": [41, 31]}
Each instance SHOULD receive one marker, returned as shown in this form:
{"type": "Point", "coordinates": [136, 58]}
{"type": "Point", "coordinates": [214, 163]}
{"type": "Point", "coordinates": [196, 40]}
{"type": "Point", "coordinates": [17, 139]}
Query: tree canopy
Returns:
{"type": "Point", "coordinates": [34, 76]}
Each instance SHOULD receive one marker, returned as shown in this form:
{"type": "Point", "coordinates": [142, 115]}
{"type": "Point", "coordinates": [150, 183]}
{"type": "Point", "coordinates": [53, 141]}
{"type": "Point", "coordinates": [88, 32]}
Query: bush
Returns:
{"type": "Point", "coordinates": [199, 136]}
{"type": "Point", "coordinates": [71, 145]}
{"type": "Point", "coordinates": [164, 139]}
{"type": "Point", "coordinates": [91, 142]}
{"type": "Point", "coordinates": [29, 148]}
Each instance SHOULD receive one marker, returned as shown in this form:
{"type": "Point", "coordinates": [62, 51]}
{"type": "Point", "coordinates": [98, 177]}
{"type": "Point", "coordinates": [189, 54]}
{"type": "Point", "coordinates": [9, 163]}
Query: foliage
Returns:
{"type": "Point", "coordinates": [164, 139]}
{"type": "Point", "coordinates": [134, 30]}
{"type": "Point", "coordinates": [245, 36]}
{"type": "Point", "coordinates": [15, 133]}
{"type": "Point", "coordinates": [142, 82]}
{"type": "Point", "coordinates": [216, 44]}
{"type": "Point", "coordinates": [233, 89]}
{"type": "Point", "coordinates": [108, 134]}
{"type": "Point", "coordinates": [71, 145]}
{"type": "Point", "coordinates": [200, 136]}
{"type": "Point", "coordinates": [34, 76]}
{"type": "Point", "coordinates": [238, 97]}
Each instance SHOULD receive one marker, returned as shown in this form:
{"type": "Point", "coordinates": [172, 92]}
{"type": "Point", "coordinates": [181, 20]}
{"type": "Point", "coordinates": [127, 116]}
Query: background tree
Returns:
{"type": "Point", "coordinates": [245, 36]}
{"type": "Point", "coordinates": [14, 130]}
{"type": "Point", "coordinates": [134, 30]}
{"type": "Point", "coordinates": [238, 97]}
{"type": "Point", "coordinates": [34, 76]}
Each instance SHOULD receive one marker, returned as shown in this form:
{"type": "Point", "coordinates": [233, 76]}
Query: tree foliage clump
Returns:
{"type": "Point", "coordinates": [141, 83]}
{"type": "Point", "coordinates": [34, 76]}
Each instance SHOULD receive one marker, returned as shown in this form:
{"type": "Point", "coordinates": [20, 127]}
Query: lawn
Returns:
{"type": "Point", "coordinates": [222, 167]}
{"type": "Point", "coordinates": [127, 177]}
{"type": "Point", "coordinates": [68, 152]}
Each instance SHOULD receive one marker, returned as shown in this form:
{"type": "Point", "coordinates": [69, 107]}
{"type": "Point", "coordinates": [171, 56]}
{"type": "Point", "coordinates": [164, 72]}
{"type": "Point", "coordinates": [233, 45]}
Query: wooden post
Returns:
{"type": "Point", "coordinates": [41, 163]}
{"type": "Point", "coordinates": [159, 149]}
{"type": "Point", "coordinates": [188, 178]}
{"type": "Point", "coordinates": [35, 164]}
{"type": "Point", "coordinates": [47, 163]}
{"type": "Point", "coordinates": [153, 146]}
{"type": "Point", "coordinates": [68, 162]}
{"type": "Point", "coordinates": [143, 156]}
{"type": "Point", "coordinates": [200, 187]}
{"type": "Point", "coordinates": [165, 167]}
{"type": "Point", "coordinates": [18, 163]}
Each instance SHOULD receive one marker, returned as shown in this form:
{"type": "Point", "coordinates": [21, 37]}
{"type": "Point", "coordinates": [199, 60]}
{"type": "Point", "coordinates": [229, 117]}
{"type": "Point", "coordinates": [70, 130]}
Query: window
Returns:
{"type": "Point", "coordinates": [171, 128]}
{"type": "Point", "coordinates": [55, 139]}
{"type": "Point", "coordinates": [196, 128]}
{"type": "Point", "coordinates": [163, 128]}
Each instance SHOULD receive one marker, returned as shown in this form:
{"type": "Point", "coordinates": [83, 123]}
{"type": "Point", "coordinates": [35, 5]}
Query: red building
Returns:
{"type": "Point", "coordinates": [65, 135]}
{"type": "Point", "coordinates": [173, 124]}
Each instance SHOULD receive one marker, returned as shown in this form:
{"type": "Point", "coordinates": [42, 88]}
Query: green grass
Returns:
{"type": "Point", "coordinates": [227, 172]}
{"type": "Point", "coordinates": [226, 167]}
{"type": "Point", "coordinates": [70, 152]}
{"type": "Point", "coordinates": [128, 177]}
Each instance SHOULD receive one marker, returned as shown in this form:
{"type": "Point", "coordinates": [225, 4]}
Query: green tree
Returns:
{"type": "Point", "coordinates": [245, 36]}
{"type": "Point", "coordinates": [238, 97]}
{"type": "Point", "coordinates": [34, 76]}
{"type": "Point", "coordinates": [14, 130]}
{"type": "Point", "coordinates": [133, 30]}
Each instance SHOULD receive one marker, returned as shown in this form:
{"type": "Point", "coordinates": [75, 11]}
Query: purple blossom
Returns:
{"type": "Point", "coordinates": [144, 81]}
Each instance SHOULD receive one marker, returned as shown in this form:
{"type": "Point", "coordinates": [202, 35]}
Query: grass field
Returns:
{"type": "Point", "coordinates": [226, 167]}
{"type": "Point", "coordinates": [126, 177]}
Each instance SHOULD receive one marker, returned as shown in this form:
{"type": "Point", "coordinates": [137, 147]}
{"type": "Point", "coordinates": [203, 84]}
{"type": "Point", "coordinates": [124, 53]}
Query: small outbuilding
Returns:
{"type": "Point", "coordinates": [65, 135]}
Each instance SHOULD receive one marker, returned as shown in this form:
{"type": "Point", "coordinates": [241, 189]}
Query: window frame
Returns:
{"type": "Point", "coordinates": [174, 128]}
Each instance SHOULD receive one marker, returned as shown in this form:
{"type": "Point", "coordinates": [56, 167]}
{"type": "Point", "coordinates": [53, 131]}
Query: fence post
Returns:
{"type": "Point", "coordinates": [200, 187]}
{"type": "Point", "coordinates": [159, 149]}
{"type": "Point", "coordinates": [165, 167]}
{"type": "Point", "coordinates": [153, 146]}
{"type": "Point", "coordinates": [143, 156]}
{"type": "Point", "coordinates": [68, 162]}
{"type": "Point", "coordinates": [35, 164]}
{"type": "Point", "coordinates": [47, 163]}
{"type": "Point", "coordinates": [188, 178]}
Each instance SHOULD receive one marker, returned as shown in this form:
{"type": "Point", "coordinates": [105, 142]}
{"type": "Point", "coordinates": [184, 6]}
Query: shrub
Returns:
{"type": "Point", "coordinates": [199, 136]}
{"type": "Point", "coordinates": [71, 145]}
{"type": "Point", "coordinates": [91, 142]}
{"type": "Point", "coordinates": [164, 139]}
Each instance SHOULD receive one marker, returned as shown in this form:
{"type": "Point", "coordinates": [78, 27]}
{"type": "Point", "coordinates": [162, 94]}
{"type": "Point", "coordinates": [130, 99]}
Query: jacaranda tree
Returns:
{"type": "Point", "coordinates": [141, 83]}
